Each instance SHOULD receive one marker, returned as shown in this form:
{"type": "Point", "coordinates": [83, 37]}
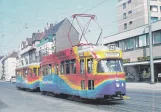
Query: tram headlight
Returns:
{"type": "Point", "coordinates": [122, 84]}
{"type": "Point", "coordinates": [117, 85]}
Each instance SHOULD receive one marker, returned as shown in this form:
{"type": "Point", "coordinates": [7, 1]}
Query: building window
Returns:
{"type": "Point", "coordinates": [130, 12]}
{"type": "Point", "coordinates": [154, 8]}
{"type": "Point", "coordinates": [142, 40]}
{"type": "Point", "coordinates": [121, 45]}
{"type": "Point", "coordinates": [124, 16]}
{"type": "Point", "coordinates": [124, 5]}
{"type": "Point", "coordinates": [129, 1]}
{"type": "Point", "coordinates": [130, 23]}
{"type": "Point", "coordinates": [125, 26]}
{"type": "Point", "coordinates": [156, 37]}
{"type": "Point", "coordinates": [154, 19]}
{"type": "Point", "coordinates": [129, 44]}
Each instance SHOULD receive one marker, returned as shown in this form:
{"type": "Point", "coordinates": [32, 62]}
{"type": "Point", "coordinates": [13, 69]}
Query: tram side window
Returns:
{"type": "Point", "coordinates": [38, 71]}
{"type": "Point", "coordinates": [82, 66]}
{"type": "Point", "coordinates": [46, 70]}
{"type": "Point", "coordinates": [24, 73]}
{"type": "Point", "coordinates": [56, 69]}
{"type": "Point", "coordinates": [62, 67]}
{"type": "Point", "coordinates": [49, 69]}
{"type": "Point", "coordinates": [67, 65]}
{"type": "Point", "coordinates": [73, 66]}
{"type": "Point", "coordinates": [35, 71]}
{"type": "Point", "coordinates": [90, 65]}
{"type": "Point", "coordinates": [43, 70]}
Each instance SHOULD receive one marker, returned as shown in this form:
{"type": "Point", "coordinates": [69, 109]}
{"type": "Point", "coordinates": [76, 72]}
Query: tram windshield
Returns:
{"type": "Point", "coordinates": [109, 65]}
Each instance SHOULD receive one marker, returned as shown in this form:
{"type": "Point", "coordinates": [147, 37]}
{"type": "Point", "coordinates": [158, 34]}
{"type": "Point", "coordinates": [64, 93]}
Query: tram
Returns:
{"type": "Point", "coordinates": [76, 72]}
{"type": "Point", "coordinates": [28, 77]}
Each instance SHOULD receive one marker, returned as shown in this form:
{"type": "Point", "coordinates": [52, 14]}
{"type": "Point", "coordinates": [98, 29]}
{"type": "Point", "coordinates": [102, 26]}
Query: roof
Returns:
{"type": "Point", "coordinates": [37, 36]}
{"type": "Point", "coordinates": [13, 55]}
{"type": "Point", "coordinates": [29, 40]}
{"type": "Point", "coordinates": [52, 30]}
{"type": "Point", "coordinates": [1, 57]}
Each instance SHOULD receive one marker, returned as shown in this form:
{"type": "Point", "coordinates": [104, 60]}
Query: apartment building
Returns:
{"type": "Point", "coordinates": [134, 13]}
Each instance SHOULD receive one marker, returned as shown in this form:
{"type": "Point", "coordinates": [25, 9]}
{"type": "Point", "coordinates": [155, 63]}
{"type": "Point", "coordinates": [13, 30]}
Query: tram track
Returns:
{"type": "Point", "coordinates": [137, 103]}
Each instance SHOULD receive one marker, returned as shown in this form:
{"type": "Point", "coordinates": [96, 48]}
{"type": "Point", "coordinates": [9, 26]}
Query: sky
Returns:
{"type": "Point", "coordinates": [15, 14]}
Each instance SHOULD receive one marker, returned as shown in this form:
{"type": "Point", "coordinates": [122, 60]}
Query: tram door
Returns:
{"type": "Point", "coordinates": [83, 73]}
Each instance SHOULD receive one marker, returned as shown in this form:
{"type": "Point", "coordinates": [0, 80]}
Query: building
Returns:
{"type": "Point", "coordinates": [27, 50]}
{"type": "Point", "coordinates": [135, 46]}
{"type": "Point", "coordinates": [56, 38]}
{"type": "Point", "coordinates": [9, 66]}
{"type": "Point", "coordinates": [134, 13]}
{"type": "Point", "coordinates": [1, 58]}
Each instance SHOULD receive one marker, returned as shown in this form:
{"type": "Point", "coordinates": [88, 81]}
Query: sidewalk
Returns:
{"type": "Point", "coordinates": [146, 86]}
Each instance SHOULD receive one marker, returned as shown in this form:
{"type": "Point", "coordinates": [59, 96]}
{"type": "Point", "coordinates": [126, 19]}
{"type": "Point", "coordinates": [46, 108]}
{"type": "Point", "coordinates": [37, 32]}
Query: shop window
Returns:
{"type": "Point", "coordinates": [90, 65]}
{"type": "Point", "coordinates": [82, 66]}
{"type": "Point", "coordinates": [73, 66]}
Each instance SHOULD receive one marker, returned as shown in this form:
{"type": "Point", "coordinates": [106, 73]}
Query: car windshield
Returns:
{"type": "Point", "coordinates": [109, 65]}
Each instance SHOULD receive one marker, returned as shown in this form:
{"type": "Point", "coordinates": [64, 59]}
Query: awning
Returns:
{"type": "Point", "coordinates": [141, 63]}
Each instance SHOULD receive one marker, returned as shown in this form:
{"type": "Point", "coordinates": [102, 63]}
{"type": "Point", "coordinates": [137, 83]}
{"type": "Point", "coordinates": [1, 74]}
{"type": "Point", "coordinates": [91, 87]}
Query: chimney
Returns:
{"type": "Point", "coordinates": [51, 25]}
{"type": "Point", "coordinates": [45, 30]}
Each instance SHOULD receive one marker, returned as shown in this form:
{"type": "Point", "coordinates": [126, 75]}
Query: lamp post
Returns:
{"type": "Point", "coordinates": [150, 44]}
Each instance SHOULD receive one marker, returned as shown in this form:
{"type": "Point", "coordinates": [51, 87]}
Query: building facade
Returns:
{"type": "Point", "coordinates": [135, 46]}
{"type": "Point", "coordinates": [9, 66]}
{"type": "Point", "coordinates": [134, 13]}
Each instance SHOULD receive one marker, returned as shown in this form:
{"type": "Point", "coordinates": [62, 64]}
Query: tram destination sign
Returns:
{"type": "Point", "coordinates": [113, 54]}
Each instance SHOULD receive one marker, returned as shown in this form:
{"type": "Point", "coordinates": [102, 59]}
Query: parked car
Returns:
{"type": "Point", "coordinates": [13, 79]}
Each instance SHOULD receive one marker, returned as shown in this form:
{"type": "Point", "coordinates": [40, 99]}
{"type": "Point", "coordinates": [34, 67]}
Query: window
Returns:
{"type": "Point", "coordinates": [73, 66]}
{"type": "Point", "coordinates": [39, 72]}
{"type": "Point", "coordinates": [121, 45]}
{"type": "Point", "coordinates": [130, 23]}
{"type": "Point", "coordinates": [156, 37]}
{"type": "Point", "coordinates": [129, 1]}
{"type": "Point", "coordinates": [67, 67]}
{"type": "Point", "coordinates": [35, 71]}
{"type": "Point", "coordinates": [154, 19]}
{"type": "Point", "coordinates": [43, 71]}
{"type": "Point", "coordinates": [124, 5]}
{"type": "Point", "coordinates": [90, 84]}
{"type": "Point", "coordinates": [154, 8]}
{"type": "Point", "coordinates": [130, 12]}
{"type": "Point", "coordinates": [56, 69]}
{"type": "Point", "coordinates": [125, 26]}
{"type": "Point", "coordinates": [129, 44]}
{"type": "Point", "coordinates": [83, 87]}
{"type": "Point", "coordinates": [109, 65]}
{"type": "Point", "coordinates": [124, 16]}
{"type": "Point", "coordinates": [62, 67]}
{"type": "Point", "coordinates": [136, 42]}
{"type": "Point", "coordinates": [142, 40]}
{"type": "Point", "coordinates": [90, 65]}
{"type": "Point", "coordinates": [50, 69]}
{"type": "Point", "coordinates": [82, 66]}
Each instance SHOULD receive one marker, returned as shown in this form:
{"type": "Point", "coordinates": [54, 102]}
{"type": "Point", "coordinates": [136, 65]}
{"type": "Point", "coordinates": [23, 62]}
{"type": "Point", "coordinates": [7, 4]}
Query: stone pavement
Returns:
{"type": "Point", "coordinates": [145, 86]}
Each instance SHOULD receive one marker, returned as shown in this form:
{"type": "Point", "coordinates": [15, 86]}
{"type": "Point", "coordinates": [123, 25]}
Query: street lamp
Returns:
{"type": "Point", "coordinates": [150, 44]}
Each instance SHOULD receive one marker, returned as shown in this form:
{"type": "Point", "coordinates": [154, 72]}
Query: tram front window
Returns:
{"type": "Point", "coordinates": [109, 65]}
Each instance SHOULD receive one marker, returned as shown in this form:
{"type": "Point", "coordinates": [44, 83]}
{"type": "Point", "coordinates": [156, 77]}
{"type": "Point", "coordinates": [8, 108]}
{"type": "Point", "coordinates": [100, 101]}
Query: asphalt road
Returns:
{"type": "Point", "coordinates": [13, 100]}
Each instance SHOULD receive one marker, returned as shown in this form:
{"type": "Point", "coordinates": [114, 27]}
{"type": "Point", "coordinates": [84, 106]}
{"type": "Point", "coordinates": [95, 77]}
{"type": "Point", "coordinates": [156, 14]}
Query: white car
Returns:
{"type": "Point", "coordinates": [13, 79]}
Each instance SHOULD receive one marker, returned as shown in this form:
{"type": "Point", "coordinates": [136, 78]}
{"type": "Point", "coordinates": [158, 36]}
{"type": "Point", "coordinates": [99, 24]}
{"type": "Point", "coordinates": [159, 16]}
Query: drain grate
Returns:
{"type": "Point", "coordinates": [3, 105]}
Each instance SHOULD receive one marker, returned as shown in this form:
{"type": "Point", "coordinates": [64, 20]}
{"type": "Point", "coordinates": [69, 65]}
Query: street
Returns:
{"type": "Point", "coordinates": [14, 100]}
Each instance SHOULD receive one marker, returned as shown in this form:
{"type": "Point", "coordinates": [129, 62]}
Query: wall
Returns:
{"type": "Point", "coordinates": [62, 41]}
